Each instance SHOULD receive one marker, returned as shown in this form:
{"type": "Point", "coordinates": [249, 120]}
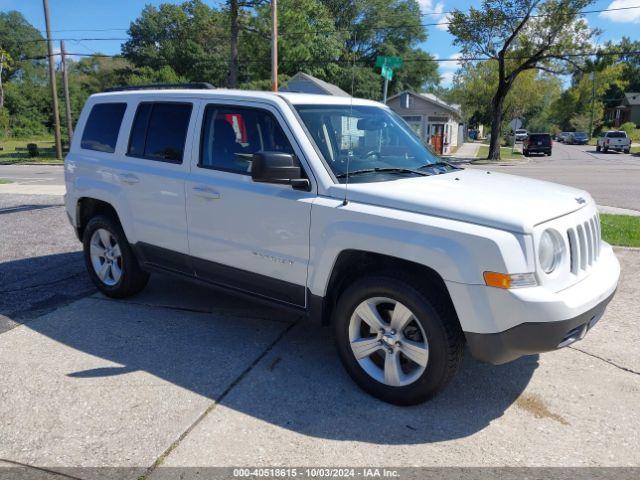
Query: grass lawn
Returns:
{"type": "Point", "coordinates": [4, 181]}
{"type": "Point", "coordinates": [635, 150]}
{"type": "Point", "coordinates": [46, 148]}
{"type": "Point", "coordinates": [622, 230]}
{"type": "Point", "coordinates": [505, 153]}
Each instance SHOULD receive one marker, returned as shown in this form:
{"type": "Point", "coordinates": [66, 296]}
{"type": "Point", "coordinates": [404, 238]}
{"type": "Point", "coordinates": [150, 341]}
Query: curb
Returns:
{"type": "Point", "coordinates": [48, 164]}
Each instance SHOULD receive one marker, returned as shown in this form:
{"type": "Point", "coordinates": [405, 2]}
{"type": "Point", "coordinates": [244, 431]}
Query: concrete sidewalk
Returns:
{"type": "Point", "coordinates": [183, 376]}
{"type": "Point", "coordinates": [468, 150]}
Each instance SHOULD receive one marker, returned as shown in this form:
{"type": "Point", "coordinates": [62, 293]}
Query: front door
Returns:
{"type": "Point", "coordinates": [437, 136]}
{"type": "Point", "coordinates": [250, 236]}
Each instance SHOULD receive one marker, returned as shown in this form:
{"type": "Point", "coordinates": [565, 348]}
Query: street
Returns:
{"type": "Point", "coordinates": [181, 376]}
{"type": "Point", "coordinates": [612, 179]}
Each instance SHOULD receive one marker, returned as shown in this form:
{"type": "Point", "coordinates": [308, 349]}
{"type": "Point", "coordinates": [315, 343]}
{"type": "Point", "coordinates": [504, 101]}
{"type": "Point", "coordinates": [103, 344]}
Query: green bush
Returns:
{"type": "Point", "coordinates": [632, 132]}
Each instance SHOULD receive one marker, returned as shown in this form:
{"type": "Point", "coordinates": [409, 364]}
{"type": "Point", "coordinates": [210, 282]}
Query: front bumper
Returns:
{"type": "Point", "coordinates": [502, 325]}
{"type": "Point", "coordinates": [531, 338]}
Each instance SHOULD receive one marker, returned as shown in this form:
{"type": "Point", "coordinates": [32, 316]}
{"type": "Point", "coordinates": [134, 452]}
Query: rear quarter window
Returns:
{"type": "Point", "coordinates": [617, 135]}
{"type": "Point", "coordinates": [102, 127]}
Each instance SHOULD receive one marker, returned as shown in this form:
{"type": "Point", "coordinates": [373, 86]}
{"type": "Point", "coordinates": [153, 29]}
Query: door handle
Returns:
{"type": "Point", "coordinates": [206, 193]}
{"type": "Point", "coordinates": [128, 178]}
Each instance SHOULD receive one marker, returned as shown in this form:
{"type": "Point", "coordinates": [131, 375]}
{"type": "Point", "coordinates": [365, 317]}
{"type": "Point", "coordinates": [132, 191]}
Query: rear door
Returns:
{"type": "Point", "coordinates": [153, 179]}
{"type": "Point", "coordinates": [250, 236]}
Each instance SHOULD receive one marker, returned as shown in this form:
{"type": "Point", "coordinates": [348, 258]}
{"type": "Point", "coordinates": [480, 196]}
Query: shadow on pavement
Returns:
{"type": "Point", "coordinates": [298, 382]}
{"type": "Point", "coordinates": [32, 286]}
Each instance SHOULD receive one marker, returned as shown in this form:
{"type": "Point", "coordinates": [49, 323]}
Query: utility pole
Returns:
{"type": "Point", "coordinates": [593, 99]}
{"type": "Point", "coordinates": [52, 81]}
{"type": "Point", "coordinates": [274, 45]}
{"type": "Point", "coordinates": [65, 84]}
{"type": "Point", "coordinates": [1, 86]}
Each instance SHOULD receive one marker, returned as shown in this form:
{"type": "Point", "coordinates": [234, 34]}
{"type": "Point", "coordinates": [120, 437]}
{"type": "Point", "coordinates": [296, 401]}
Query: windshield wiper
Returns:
{"type": "Point", "coordinates": [384, 170]}
{"type": "Point", "coordinates": [439, 164]}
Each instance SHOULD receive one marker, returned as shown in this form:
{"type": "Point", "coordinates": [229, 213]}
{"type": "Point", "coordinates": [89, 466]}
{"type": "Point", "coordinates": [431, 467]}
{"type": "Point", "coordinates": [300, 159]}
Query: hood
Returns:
{"type": "Point", "coordinates": [498, 200]}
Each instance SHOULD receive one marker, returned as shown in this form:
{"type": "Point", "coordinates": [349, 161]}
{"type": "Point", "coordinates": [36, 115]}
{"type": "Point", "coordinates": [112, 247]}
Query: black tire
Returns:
{"type": "Point", "coordinates": [525, 153]}
{"type": "Point", "coordinates": [605, 149]}
{"type": "Point", "coordinates": [597, 148]}
{"type": "Point", "coordinates": [133, 279]}
{"type": "Point", "coordinates": [437, 319]}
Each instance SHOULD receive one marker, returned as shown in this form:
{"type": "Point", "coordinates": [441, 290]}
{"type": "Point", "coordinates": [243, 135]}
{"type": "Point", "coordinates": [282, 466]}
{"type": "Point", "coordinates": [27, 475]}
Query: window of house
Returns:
{"type": "Point", "coordinates": [231, 134]}
{"type": "Point", "coordinates": [159, 131]}
{"type": "Point", "coordinates": [102, 127]}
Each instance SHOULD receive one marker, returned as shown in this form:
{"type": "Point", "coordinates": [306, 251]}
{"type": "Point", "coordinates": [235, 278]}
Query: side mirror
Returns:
{"type": "Point", "coordinates": [276, 167]}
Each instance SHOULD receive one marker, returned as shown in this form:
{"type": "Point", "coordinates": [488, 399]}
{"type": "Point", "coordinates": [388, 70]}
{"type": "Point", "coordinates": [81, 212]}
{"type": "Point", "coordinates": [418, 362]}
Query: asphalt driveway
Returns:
{"type": "Point", "coordinates": [182, 376]}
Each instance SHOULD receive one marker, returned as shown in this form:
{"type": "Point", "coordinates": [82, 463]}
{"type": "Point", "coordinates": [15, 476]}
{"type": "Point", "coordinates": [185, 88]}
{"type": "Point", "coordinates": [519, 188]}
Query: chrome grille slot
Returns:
{"type": "Point", "coordinates": [574, 250]}
{"type": "Point", "coordinates": [583, 247]}
{"type": "Point", "coordinates": [590, 243]}
{"type": "Point", "coordinates": [584, 244]}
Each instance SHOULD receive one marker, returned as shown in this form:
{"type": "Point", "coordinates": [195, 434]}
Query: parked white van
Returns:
{"type": "Point", "coordinates": [332, 207]}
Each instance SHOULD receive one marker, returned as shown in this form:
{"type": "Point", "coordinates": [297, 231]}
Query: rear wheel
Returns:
{"type": "Point", "coordinates": [397, 343]}
{"type": "Point", "coordinates": [597, 148]}
{"type": "Point", "coordinates": [111, 263]}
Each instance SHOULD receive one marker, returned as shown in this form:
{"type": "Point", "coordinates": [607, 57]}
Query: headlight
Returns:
{"type": "Point", "coordinates": [550, 250]}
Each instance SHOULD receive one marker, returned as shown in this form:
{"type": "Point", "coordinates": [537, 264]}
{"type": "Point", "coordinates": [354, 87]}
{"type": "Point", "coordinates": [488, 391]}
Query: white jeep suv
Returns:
{"type": "Point", "coordinates": [334, 208]}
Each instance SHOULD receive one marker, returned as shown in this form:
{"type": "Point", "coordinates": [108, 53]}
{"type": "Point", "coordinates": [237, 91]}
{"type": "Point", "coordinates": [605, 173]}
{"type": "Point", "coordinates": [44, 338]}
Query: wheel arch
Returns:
{"type": "Point", "coordinates": [353, 264]}
{"type": "Point", "coordinates": [87, 208]}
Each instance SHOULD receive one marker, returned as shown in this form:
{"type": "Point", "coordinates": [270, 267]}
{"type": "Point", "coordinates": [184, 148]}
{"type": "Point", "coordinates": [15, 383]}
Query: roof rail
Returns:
{"type": "Point", "coordinates": [162, 86]}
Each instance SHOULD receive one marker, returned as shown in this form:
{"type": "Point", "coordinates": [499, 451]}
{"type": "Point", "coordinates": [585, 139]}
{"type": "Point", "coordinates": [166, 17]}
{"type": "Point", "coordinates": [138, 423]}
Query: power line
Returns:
{"type": "Point", "coordinates": [437, 60]}
{"type": "Point", "coordinates": [337, 30]}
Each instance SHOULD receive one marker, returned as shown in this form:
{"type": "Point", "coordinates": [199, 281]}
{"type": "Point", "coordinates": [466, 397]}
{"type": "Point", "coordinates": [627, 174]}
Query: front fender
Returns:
{"type": "Point", "coordinates": [457, 251]}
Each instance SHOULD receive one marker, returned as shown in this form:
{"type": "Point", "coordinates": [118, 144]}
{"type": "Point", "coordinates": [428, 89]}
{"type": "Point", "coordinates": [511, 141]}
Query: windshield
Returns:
{"type": "Point", "coordinates": [580, 135]}
{"type": "Point", "coordinates": [375, 143]}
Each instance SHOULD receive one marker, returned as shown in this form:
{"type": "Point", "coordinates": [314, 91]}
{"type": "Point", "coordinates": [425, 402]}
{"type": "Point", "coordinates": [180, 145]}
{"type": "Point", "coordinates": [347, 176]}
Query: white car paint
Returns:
{"type": "Point", "coordinates": [460, 224]}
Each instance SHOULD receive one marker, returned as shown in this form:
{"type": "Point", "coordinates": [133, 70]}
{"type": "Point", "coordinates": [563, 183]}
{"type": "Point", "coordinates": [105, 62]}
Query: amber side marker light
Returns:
{"type": "Point", "coordinates": [506, 280]}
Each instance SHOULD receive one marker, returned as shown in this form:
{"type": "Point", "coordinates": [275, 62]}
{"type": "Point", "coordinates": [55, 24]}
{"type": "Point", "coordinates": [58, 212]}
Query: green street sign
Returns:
{"type": "Point", "coordinates": [387, 72]}
{"type": "Point", "coordinates": [392, 62]}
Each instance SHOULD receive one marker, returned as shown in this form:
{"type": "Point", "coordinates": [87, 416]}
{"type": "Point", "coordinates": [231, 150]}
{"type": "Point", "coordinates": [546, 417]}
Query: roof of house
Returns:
{"type": "Point", "coordinates": [430, 97]}
{"type": "Point", "coordinates": [633, 98]}
{"type": "Point", "coordinates": [328, 88]}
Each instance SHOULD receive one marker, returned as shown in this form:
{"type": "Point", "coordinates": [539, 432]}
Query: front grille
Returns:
{"type": "Point", "coordinates": [584, 244]}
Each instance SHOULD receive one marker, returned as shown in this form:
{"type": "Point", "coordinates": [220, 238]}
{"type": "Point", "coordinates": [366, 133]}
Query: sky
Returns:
{"type": "Point", "coordinates": [72, 19]}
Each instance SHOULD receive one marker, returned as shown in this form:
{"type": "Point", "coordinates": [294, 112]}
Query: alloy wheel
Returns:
{"type": "Point", "coordinates": [106, 257]}
{"type": "Point", "coordinates": [388, 342]}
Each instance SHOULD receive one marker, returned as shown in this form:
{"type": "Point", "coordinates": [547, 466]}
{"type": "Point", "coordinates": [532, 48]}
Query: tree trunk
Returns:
{"type": "Point", "coordinates": [235, 28]}
{"type": "Point", "coordinates": [497, 105]}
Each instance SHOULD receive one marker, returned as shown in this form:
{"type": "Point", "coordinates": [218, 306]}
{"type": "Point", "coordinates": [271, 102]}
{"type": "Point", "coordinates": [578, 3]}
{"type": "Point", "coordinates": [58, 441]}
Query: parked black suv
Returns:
{"type": "Point", "coordinates": [537, 143]}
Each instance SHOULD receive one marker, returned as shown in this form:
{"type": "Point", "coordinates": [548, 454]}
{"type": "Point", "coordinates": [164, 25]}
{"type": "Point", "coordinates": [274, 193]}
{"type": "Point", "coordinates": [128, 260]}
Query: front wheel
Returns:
{"type": "Point", "coordinates": [111, 263]}
{"type": "Point", "coordinates": [597, 148]}
{"type": "Point", "coordinates": [397, 343]}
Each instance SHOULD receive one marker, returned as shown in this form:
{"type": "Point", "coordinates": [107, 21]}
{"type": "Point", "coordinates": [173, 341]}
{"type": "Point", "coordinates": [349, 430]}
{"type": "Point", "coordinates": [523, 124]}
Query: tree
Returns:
{"type": "Point", "coordinates": [381, 27]}
{"type": "Point", "coordinates": [191, 38]}
{"type": "Point", "coordinates": [530, 96]}
{"type": "Point", "coordinates": [521, 35]}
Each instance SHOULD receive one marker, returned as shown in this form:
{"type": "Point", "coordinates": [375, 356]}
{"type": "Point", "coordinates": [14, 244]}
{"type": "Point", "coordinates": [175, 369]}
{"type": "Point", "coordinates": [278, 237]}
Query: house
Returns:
{"type": "Point", "coordinates": [435, 121]}
{"type": "Point", "coordinates": [628, 110]}
{"type": "Point", "coordinates": [304, 83]}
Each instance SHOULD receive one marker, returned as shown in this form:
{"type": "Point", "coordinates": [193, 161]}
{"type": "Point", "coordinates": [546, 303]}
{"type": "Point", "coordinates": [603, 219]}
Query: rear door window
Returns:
{"type": "Point", "coordinates": [102, 127]}
{"type": "Point", "coordinates": [159, 131]}
{"type": "Point", "coordinates": [617, 135]}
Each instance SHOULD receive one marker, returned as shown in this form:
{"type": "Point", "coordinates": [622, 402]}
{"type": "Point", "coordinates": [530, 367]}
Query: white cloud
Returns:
{"type": "Point", "coordinates": [623, 16]}
{"type": "Point", "coordinates": [442, 23]}
{"type": "Point", "coordinates": [435, 11]}
{"type": "Point", "coordinates": [448, 69]}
